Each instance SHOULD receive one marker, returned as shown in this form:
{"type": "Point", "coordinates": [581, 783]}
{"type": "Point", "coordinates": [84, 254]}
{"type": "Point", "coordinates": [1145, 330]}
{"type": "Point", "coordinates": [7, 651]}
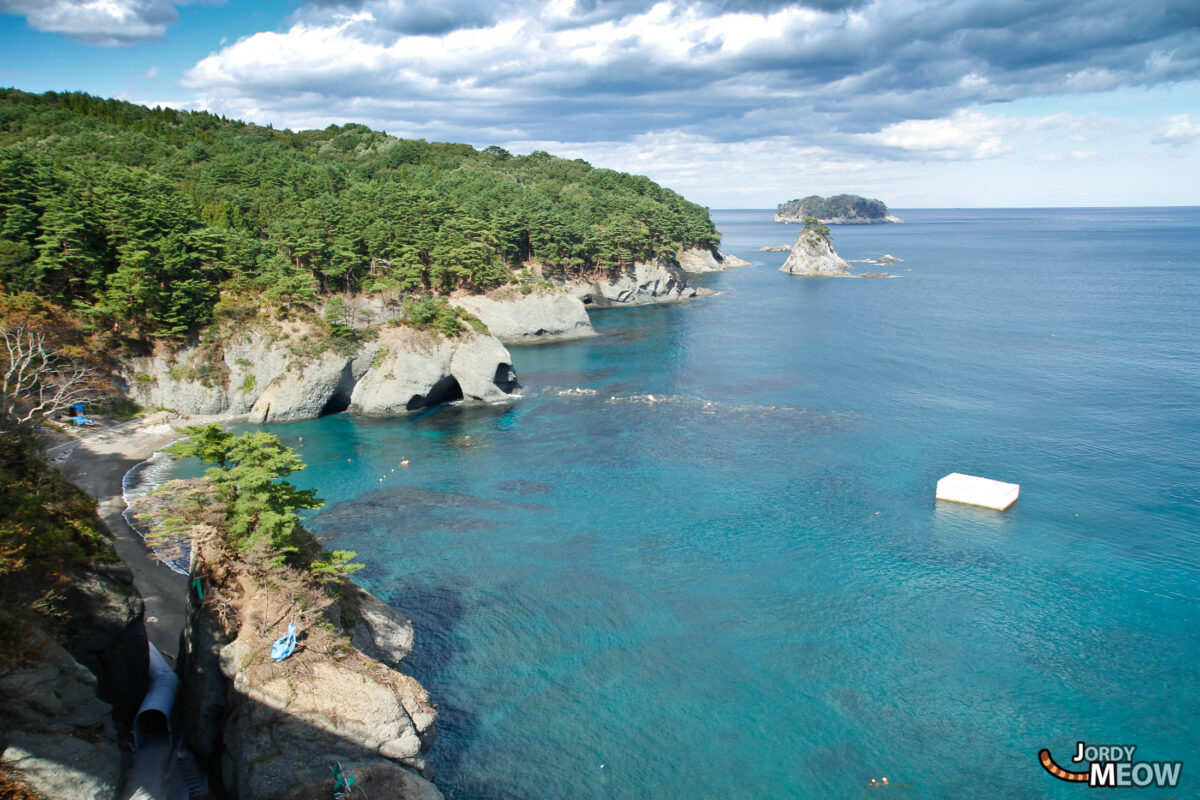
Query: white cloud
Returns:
{"type": "Point", "coordinates": [963, 135]}
{"type": "Point", "coordinates": [108, 23]}
{"type": "Point", "coordinates": [1179, 130]}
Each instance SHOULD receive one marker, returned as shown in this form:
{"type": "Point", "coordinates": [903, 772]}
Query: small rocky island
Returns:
{"type": "Point", "coordinates": [813, 252]}
{"type": "Point", "coordinates": [840, 209]}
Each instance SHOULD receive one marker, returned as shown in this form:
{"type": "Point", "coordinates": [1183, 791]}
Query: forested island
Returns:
{"type": "Point", "coordinates": [841, 209]}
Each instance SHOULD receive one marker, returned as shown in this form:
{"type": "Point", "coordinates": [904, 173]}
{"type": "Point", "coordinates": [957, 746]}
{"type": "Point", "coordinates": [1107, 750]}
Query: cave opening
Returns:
{"type": "Point", "coordinates": [336, 404]}
{"type": "Point", "coordinates": [505, 378]}
{"type": "Point", "coordinates": [445, 390]}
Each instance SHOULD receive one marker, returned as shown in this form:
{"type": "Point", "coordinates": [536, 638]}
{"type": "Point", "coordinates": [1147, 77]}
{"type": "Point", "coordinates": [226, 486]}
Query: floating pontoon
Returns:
{"type": "Point", "coordinates": [959, 488]}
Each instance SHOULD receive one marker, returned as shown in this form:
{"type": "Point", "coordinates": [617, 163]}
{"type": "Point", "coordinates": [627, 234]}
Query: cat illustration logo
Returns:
{"type": "Point", "coordinates": [1112, 766]}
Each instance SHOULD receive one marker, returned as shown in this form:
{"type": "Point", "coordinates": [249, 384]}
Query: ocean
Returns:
{"type": "Point", "coordinates": [724, 573]}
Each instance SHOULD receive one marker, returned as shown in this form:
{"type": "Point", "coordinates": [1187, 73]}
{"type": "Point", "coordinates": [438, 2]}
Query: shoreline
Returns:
{"type": "Point", "coordinates": [98, 464]}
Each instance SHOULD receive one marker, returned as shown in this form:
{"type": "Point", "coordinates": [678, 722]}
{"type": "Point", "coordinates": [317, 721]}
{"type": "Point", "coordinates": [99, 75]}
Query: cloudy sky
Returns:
{"type": "Point", "coordinates": [734, 103]}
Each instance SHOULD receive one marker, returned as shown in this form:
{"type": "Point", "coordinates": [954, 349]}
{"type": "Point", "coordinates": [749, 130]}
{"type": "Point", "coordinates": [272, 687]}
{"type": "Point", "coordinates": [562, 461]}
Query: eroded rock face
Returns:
{"type": "Point", "coordinates": [812, 254]}
{"type": "Point", "coordinates": [272, 729]}
{"type": "Point", "coordinates": [530, 318]}
{"type": "Point", "coordinates": [655, 282]}
{"type": "Point", "coordinates": [699, 259]}
{"type": "Point", "coordinates": [377, 629]}
{"type": "Point", "coordinates": [412, 370]}
{"type": "Point", "coordinates": [270, 377]}
{"type": "Point", "coordinates": [56, 733]}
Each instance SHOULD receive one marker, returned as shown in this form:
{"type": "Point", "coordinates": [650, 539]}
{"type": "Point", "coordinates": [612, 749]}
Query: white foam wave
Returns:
{"type": "Point", "coordinates": [140, 481]}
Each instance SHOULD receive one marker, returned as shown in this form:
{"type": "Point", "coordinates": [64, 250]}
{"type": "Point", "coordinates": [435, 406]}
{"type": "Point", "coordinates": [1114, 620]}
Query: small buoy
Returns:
{"type": "Point", "coordinates": [347, 461]}
{"type": "Point", "coordinates": [393, 469]}
{"type": "Point", "coordinates": [301, 439]}
{"type": "Point", "coordinates": [601, 766]}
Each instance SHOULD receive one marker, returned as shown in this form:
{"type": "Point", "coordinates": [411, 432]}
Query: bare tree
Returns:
{"type": "Point", "coordinates": [38, 381]}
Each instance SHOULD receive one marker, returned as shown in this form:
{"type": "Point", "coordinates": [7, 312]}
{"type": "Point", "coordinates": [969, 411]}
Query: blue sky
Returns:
{"type": "Point", "coordinates": [734, 103]}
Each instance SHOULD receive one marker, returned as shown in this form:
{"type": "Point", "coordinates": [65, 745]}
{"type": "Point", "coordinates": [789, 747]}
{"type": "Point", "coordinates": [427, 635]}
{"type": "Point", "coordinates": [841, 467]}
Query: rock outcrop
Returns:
{"type": "Point", "coordinates": [514, 318]}
{"type": "Point", "coordinates": [413, 370]}
{"type": "Point", "coordinates": [641, 284]}
{"type": "Point", "coordinates": [69, 702]}
{"type": "Point", "coordinates": [282, 375]}
{"type": "Point", "coordinates": [274, 729]}
{"type": "Point", "coordinates": [699, 259]}
{"type": "Point", "coordinates": [813, 254]}
{"type": "Point", "coordinates": [58, 736]}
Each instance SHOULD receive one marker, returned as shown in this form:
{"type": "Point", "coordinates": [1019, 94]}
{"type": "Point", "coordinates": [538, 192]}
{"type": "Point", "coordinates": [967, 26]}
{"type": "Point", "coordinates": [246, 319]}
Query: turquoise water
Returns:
{"type": "Point", "coordinates": [746, 588]}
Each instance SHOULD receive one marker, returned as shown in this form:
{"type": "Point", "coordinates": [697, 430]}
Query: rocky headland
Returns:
{"type": "Point", "coordinates": [282, 371]}
{"type": "Point", "coordinates": [292, 370]}
{"type": "Point", "coordinates": [264, 728]}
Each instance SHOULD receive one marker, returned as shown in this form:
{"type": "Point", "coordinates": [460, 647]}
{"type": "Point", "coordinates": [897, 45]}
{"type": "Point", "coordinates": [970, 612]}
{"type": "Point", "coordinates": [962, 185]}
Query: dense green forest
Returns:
{"type": "Point", "coordinates": [849, 206]}
{"type": "Point", "coordinates": [140, 220]}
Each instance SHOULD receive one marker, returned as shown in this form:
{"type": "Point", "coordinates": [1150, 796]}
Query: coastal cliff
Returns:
{"type": "Point", "coordinates": [292, 371]}
{"type": "Point", "coordinates": [542, 315]}
{"type": "Point", "coordinates": [275, 729]}
{"type": "Point", "coordinates": [558, 309]}
{"type": "Point", "coordinates": [813, 254]}
{"type": "Point", "coordinates": [707, 260]}
{"type": "Point", "coordinates": [643, 283]}
{"type": "Point", "coordinates": [75, 664]}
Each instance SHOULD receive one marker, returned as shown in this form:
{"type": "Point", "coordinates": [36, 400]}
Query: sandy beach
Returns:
{"type": "Point", "coordinates": [98, 464]}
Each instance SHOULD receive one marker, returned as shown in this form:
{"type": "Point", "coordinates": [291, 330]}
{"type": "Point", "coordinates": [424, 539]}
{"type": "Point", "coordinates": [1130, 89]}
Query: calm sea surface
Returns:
{"type": "Point", "coordinates": [745, 589]}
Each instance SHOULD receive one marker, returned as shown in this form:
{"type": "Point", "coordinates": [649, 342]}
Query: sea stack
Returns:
{"type": "Point", "coordinates": [813, 254]}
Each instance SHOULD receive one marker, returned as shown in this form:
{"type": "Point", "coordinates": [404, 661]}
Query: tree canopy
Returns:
{"type": "Point", "coordinates": [261, 507]}
{"type": "Point", "coordinates": [139, 219]}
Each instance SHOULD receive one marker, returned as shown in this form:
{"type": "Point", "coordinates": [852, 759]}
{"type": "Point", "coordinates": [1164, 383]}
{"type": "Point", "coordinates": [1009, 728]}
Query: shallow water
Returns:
{"type": "Point", "coordinates": [745, 588]}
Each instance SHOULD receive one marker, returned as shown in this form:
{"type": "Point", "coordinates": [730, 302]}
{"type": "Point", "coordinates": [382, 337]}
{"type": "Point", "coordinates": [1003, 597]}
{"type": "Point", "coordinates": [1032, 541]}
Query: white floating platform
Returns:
{"type": "Point", "coordinates": [959, 488]}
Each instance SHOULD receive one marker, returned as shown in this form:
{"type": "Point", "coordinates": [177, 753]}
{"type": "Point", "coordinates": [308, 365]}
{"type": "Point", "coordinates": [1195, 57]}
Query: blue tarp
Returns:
{"type": "Point", "coordinates": [285, 645]}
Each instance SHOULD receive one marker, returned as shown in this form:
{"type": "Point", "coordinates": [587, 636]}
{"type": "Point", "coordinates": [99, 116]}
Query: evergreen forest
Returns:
{"type": "Point", "coordinates": [140, 221]}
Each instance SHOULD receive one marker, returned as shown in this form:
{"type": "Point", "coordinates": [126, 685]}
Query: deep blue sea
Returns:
{"type": "Point", "coordinates": [745, 588]}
